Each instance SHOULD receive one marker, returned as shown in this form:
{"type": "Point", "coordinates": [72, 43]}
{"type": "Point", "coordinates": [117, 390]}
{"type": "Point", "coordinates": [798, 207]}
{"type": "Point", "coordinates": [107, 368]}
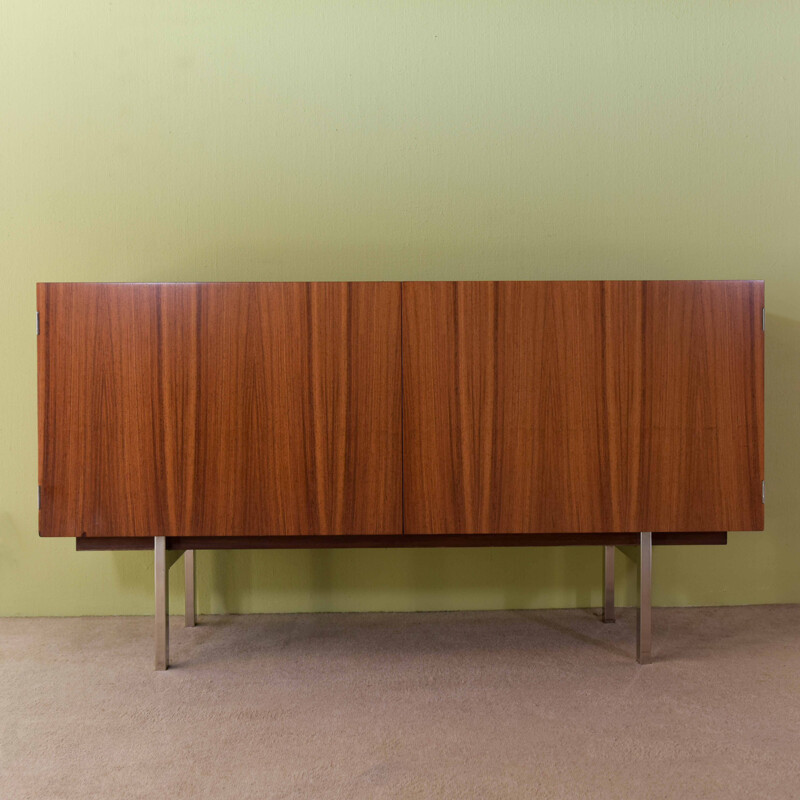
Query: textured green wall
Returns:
{"type": "Point", "coordinates": [162, 141]}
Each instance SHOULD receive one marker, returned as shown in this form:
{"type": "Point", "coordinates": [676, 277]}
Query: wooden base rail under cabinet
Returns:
{"type": "Point", "coordinates": [183, 543]}
{"type": "Point", "coordinates": [179, 417]}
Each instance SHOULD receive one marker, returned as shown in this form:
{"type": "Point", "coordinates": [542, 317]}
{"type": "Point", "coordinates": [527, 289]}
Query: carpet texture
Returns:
{"type": "Point", "coordinates": [516, 704]}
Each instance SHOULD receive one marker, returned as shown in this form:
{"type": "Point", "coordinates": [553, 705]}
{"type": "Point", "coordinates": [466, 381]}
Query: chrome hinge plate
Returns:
{"type": "Point", "coordinates": [763, 491]}
{"type": "Point", "coordinates": [37, 324]}
{"type": "Point", "coordinates": [763, 318]}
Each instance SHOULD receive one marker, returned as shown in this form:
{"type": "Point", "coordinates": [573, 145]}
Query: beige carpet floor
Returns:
{"type": "Point", "coordinates": [516, 704]}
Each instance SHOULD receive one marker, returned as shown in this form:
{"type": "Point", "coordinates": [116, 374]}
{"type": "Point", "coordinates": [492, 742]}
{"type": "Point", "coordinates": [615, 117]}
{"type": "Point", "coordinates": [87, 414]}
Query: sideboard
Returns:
{"type": "Point", "coordinates": [178, 417]}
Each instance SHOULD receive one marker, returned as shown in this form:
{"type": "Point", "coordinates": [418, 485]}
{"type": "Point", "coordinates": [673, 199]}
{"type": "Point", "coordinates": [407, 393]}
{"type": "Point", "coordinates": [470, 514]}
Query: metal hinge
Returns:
{"type": "Point", "coordinates": [763, 318]}
{"type": "Point", "coordinates": [763, 492]}
{"type": "Point", "coordinates": [39, 498]}
{"type": "Point", "coordinates": [37, 323]}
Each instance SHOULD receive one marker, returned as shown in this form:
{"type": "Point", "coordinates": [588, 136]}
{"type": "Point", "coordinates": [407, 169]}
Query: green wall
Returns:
{"type": "Point", "coordinates": [169, 141]}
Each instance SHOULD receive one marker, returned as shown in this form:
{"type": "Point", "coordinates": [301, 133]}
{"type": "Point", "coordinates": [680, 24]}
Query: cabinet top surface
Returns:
{"type": "Point", "coordinates": [256, 283]}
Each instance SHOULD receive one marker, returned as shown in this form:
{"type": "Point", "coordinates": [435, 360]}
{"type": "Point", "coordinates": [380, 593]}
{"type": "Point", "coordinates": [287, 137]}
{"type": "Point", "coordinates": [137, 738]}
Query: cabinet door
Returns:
{"type": "Point", "coordinates": [582, 406]}
{"type": "Point", "coordinates": [220, 409]}
{"type": "Point", "coordinates": [701, 457]}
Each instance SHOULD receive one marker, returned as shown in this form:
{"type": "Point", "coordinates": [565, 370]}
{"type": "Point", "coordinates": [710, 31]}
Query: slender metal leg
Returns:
{"type": "Point", "coordinates": [162, 602]}
{"type": "Point", "coordinates": [609, 612]}
{"type": "Point", "coordinates": [644, 614]}
{"type": "Point", "coordinates": [189, 573]}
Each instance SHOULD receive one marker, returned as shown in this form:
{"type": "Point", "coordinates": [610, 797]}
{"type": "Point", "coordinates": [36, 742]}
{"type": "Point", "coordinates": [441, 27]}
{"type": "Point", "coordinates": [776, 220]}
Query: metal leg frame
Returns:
{"type": "Point", "coordinates": [644, 616]}
{"type": "Point", "coordinates": [644, 611]}
{"type": "Point", "coordinates": [189, 575]}
{"type": "Point", "coordinates": [163, 560]}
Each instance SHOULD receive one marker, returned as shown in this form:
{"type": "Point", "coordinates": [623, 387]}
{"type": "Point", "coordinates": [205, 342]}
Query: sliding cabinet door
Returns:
{"type": "Point", "coordinates": [701, 459]}
{"type": "Point", "coordinates": [582, 406]}
{"type": "Point", "coordinates": [220, 409]}
{"type": "Point", "coordinates": [514, 406]}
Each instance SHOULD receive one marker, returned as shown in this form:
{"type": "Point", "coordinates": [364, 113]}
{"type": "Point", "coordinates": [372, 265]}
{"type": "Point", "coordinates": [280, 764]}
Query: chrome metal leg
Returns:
{"type": "Point", "coordinates": [644, 614]}
{"type": "Point", "coordinates": [162, 602]}
{"type": "Point", "coordinates": [189, 573]}
{"type": "Point", "coordinates": [609, 612]}
{"type": "Point", "coordinates": [163, 560]}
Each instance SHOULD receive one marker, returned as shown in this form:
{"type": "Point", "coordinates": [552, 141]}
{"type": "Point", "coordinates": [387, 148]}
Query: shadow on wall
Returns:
{"type": "Point", "coordinates": [782, 445]}
{"type": "Point", "coordinates": [570, 257]}
{"type": "Point", "coordinates": [413, 579]}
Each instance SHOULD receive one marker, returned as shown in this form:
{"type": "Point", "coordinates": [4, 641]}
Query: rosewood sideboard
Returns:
{"type": "Point", "coordinates": [178, 417]}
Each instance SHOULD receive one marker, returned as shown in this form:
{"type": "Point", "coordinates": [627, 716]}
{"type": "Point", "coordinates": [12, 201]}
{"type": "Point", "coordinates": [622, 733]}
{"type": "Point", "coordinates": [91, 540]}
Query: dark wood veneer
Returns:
{"type": "Point", "coordinates": [374, 410]}
{"type": "Point", "coordinates": [410, 540]}
{"type": "Point", "coordinates": [220, 409]}
{"type": "Point", "coordinates": [582, 406]}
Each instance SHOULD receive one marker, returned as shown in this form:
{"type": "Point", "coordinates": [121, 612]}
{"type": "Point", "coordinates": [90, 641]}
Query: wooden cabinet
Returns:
{"type": "Point", "coordinates": [381, 409]}
{"type": "Point", "coordinates": [582, 406]}
{"type": "Point", "coordinates": [233, 415]}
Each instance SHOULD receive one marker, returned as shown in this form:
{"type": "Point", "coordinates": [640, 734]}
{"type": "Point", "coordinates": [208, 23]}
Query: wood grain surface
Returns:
{"type": "Point", "coordinates": [582, 406]}
{"type": "Point", "coordinates": [284, 409]}
{"type": "Point", "coordinates": [220, 409]}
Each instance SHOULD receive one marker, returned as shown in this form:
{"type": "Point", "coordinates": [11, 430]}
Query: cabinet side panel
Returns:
{"type": "Point", "coordinates": [41, 387]}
